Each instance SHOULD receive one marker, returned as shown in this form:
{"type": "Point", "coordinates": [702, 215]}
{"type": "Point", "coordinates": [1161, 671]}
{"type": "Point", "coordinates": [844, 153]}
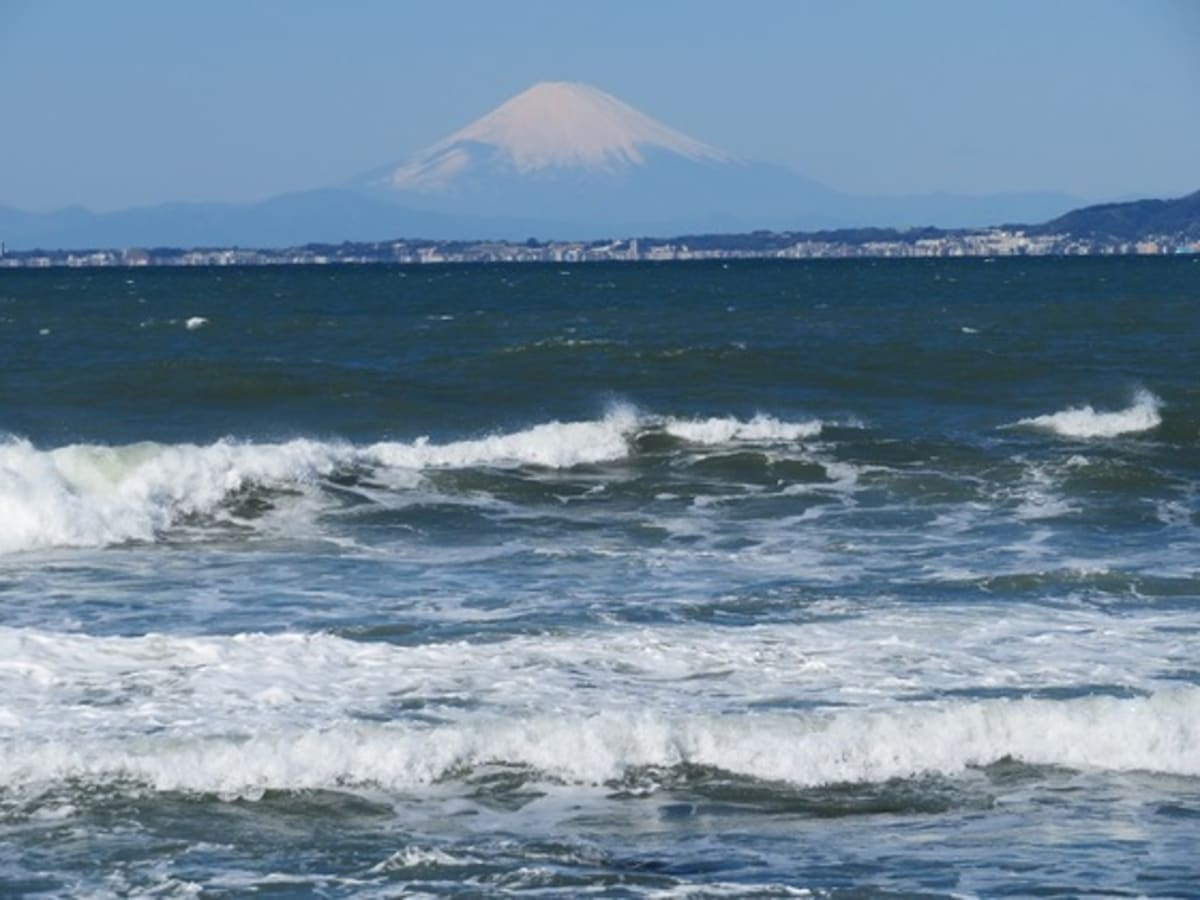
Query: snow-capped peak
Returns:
{"type": "Point", "coordinates": [554, 124]}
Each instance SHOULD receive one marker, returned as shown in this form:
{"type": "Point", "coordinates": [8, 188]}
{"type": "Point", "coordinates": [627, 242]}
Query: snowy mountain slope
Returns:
{"type": "Point", "coordinates": [570, 152]}
{"type": "Point", "coordinates": [552, 125]}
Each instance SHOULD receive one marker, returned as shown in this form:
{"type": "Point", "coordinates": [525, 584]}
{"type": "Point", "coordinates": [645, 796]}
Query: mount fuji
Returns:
{"type": "Point", "coordinates": [571, 154]}
{"type": "Point", "coordinates": [552, 126]}
{"type": "Point", "coordinates": [588, 165]}
{"type": "Point", "coordinates": [559, 160]}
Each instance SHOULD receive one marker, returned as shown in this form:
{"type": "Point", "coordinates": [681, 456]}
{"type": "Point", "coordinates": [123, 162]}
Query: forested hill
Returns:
{"type": "Point", "coordinates": [1137, 220]}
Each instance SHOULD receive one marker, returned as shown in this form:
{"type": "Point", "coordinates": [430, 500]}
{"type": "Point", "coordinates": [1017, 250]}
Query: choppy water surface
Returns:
{"type": "Point", "coordinates": [686, 580]}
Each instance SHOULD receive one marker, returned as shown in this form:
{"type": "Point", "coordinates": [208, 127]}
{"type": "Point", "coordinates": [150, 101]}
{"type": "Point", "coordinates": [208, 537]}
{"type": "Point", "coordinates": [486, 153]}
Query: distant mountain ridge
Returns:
{"type": "Point", "coordinates": [1132, 221]}
{"type": "Point", "coordinates": [560, 160]}
{"type": "Point", "coordinates": [322, 215]}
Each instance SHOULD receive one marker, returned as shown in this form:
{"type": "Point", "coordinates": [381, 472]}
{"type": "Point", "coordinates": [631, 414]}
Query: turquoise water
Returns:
{"type": "Point", "coordinates": [869, 578]}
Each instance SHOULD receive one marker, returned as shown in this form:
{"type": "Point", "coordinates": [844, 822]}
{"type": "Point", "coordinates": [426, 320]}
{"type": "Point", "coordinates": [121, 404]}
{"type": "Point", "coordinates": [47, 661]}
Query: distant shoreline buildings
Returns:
{"type": "Point", "coordinates": [847, 244]}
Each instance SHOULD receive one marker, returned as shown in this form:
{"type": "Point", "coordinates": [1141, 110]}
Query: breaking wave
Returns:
{"type": "Point", "coordinates": [760, 429]}
{"type": "Point", "coordinates": [242, 714]}
{"type": "Point", "coordinates": [86, 495]}
{"type": "Point", "coordinates": [1086, 422]}
{"type": "Point", "coordinates": [1160, 733]}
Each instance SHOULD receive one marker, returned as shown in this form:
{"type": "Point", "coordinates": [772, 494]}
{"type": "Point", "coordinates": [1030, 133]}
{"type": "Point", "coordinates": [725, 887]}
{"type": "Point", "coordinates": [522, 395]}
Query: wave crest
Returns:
{"type": "Point", "coordinates": [1086, 422]}
{"type": "Point", "coordinates": [86, 495]}
{"type": "Point", "coordinates": [554, 445]}
{"type": "Point", "coordinates": [726, 430]}
{"type": "Point", "coordinates": [1157, 734]}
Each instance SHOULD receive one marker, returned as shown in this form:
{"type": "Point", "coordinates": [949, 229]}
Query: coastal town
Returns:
{"type": "Point", "coordinates": [842, 244]}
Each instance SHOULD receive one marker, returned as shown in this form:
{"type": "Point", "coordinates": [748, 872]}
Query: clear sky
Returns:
{"type": "Point", "coordinates": [134, 102]}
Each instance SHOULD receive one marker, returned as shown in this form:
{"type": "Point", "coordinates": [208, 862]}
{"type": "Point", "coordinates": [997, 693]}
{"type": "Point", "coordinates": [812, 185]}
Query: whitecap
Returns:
{"type": "Point", "coordinates": [555, 445]}
{"type": "Point", "coordinates": [413, 857]}
{"type": "Point", "coordinates": [94, 495]}
{"type": "Point", "coordinates": [622, 699]}
{"type": "Point", "coordinates": [1086, 422]}
{"type": "Point", "coordinates": [86, 495]}
{"type": "Point", "coordinates": [727, 430]}
{"type": "Point", "coordinates": [1159, 733]}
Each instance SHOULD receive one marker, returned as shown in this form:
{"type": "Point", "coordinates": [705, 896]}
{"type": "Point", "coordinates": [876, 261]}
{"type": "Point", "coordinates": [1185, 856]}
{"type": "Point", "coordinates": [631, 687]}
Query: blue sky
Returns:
{"type": "Point", "coordinates": [131, 103]}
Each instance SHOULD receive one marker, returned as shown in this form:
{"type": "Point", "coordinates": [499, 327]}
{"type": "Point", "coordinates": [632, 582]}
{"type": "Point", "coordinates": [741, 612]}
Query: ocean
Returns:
{"type": "Point", "coordinates": [872, 578]}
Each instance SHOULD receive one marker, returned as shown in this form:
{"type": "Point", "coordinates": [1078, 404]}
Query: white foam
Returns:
{"type": "Point", "coordinates": [1157, 734]}
{"type": "Point", "coordinates": [691, 890]}
{"type": "Point", "coordinates": [1038, 496]}
{"type": "Point", "coordinates": [1086, 422]}
{"type": "Point", "coordinates": [727, 430]}
{"type": "Point", "coordinates": [413, 857]}
{"type": "Point", "coordinates": [553, 445]}
{"type": "Point", "coordinates": [87, 495]}
{"type": "Point", "coordinates": [848, 699]}
{"type": "Point", "coordinates": [94, 495]}
{"type": "Point", "coordinates": [195, 322]}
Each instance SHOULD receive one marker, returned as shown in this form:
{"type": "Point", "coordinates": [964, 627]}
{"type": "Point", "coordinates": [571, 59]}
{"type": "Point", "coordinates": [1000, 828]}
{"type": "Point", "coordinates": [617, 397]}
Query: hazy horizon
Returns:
{"type": "Point", "coordinates": [138, 104]}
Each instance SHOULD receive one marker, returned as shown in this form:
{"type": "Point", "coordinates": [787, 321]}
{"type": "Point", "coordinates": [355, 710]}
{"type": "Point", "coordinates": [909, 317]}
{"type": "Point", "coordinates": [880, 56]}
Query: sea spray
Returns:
{"type": "Point", "coordinates": [1085, 422]}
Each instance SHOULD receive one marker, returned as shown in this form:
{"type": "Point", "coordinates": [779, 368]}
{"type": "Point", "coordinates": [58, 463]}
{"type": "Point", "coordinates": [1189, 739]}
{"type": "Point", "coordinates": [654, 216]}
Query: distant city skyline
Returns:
{"type": "Point", "coordinates": [137, 103]}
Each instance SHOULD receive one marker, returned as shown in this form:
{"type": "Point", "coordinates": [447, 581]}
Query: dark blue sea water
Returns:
{"type": "Point", "coordinates": [830, 579]}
